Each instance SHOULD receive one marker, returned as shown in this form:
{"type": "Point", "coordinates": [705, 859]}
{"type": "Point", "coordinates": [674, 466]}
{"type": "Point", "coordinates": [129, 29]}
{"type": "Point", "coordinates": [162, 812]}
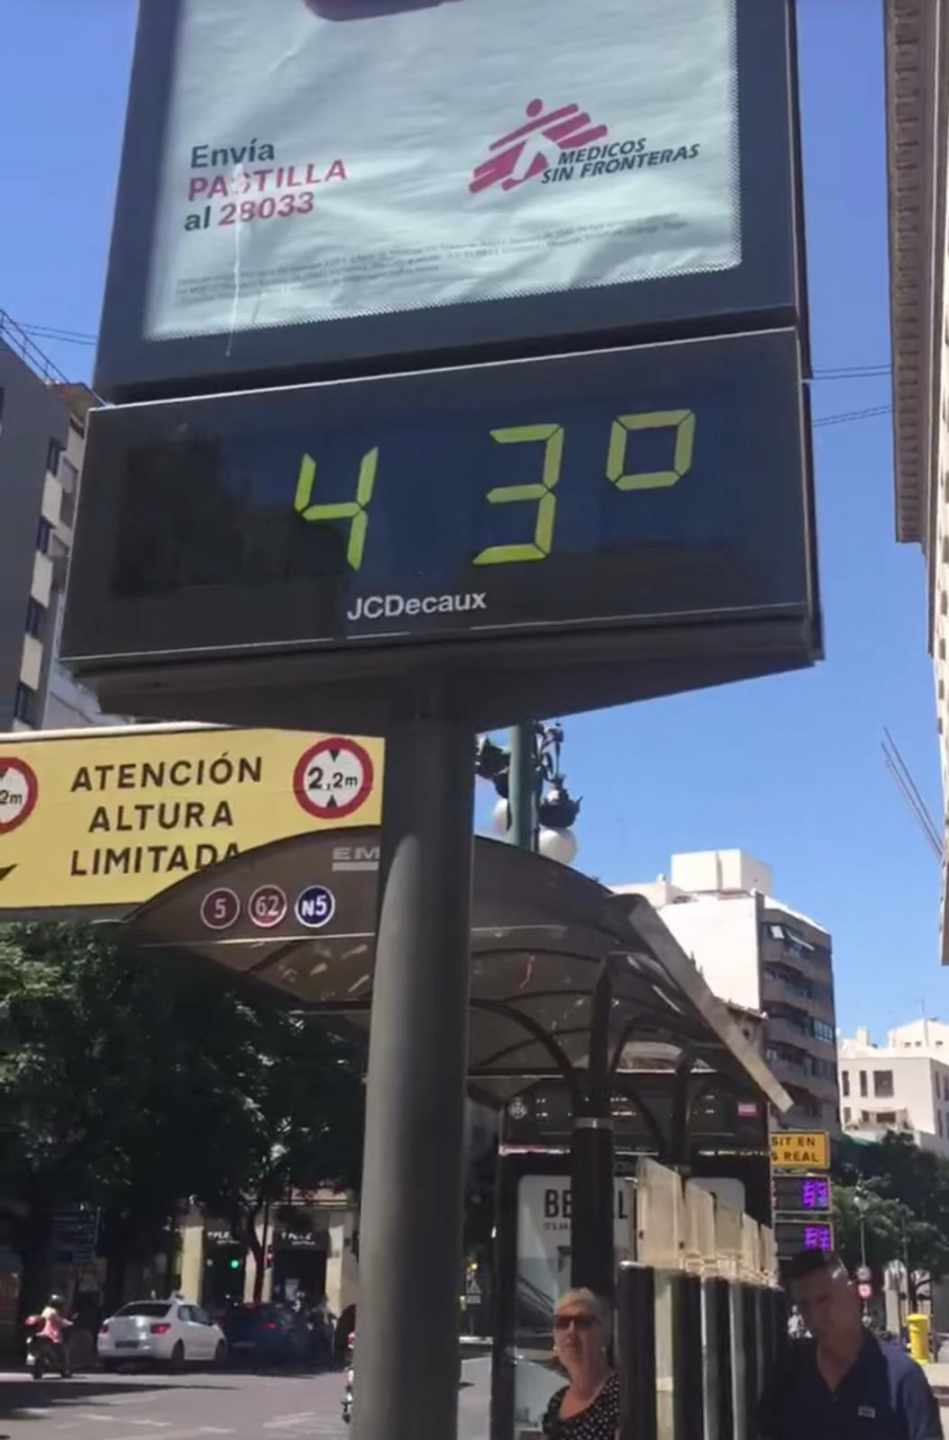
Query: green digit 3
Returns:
{"type": "Point", "coordinates": [542, 492]}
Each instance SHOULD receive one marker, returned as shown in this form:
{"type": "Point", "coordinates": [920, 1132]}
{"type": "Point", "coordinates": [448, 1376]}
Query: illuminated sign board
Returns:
{"type": "Point", "coordinates": [586, 493]}
{"type": "Point", "coordinates": [802, 1193]}
{"type": "Point", "coordinates": [793, 1236]}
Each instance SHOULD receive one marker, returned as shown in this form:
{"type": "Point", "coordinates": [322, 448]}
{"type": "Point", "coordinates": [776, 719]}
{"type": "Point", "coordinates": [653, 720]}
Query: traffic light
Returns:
{"type": "Point", "coordinates": [233, 1264]}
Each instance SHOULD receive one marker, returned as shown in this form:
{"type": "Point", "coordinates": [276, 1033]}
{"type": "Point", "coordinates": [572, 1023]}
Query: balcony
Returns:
{"type": "Point", "coordinates": [814, 963]}
{"type": "Point", "coordinates": [813, 998]}
{"type": "Point", "coordinates": [779, 1027]}
{"type": "Point", "coordinates": [798, 1074]}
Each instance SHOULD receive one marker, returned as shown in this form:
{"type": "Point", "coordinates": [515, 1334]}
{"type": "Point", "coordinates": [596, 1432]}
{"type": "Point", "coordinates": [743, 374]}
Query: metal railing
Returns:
{"type": "Point", "coordinates": [21, 344]}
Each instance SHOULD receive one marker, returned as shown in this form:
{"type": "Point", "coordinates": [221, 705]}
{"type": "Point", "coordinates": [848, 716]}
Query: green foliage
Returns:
{"type": "Point", "coordinates": [902, 1195]}
{"type": "Point", "coordinates": [134, 1080]}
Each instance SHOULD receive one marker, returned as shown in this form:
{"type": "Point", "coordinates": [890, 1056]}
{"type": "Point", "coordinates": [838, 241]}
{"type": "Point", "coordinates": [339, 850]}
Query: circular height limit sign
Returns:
{"type": "Point", "coordinates": [18, 792]}
{"type": "Point", "coordinates": [333, 778]}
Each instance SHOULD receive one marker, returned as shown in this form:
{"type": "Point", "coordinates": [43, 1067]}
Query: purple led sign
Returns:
{"type": "Point", "coordinates": [815, 1194]}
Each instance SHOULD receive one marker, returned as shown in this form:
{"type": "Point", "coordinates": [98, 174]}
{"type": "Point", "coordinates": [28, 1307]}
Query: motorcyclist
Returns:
{"type": "Point", "coordinates": [51, 1336]}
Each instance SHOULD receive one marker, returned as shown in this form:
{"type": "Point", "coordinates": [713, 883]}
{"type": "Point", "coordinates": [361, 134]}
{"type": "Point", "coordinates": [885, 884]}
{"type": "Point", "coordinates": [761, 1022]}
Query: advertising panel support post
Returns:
{"type": "Point", "coordinates": [413, 1175]}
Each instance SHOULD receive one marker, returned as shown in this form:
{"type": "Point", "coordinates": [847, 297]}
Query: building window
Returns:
{"type": "Point", "coordinates": [883, 1084]}
{"type": "Point", "coordinates": [863, 1084]}
{"type": "Point", "coordinates": [24, 704]}
{"type": "Point", "coordinates": [35, 619]}
{"type": "Point", "coordinates": [43, 531]}
{"type": "Point", "coordinates": [845, 1081]}
{"type": "Point", "coordinates": [886, 1117]}
{"type": "Point", "coordinates": [823, 1031]}
{"type": "Point", "coordinates": [53, 451]}
{"type": "Point", "coordinates": [846, 1114]}
{"type": "Point", "coordinates": [68, 475]}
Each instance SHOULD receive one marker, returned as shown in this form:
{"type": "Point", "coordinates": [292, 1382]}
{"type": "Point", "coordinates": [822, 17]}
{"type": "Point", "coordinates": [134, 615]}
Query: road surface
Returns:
{"type": "Point", "coordinates": [200, 1405]}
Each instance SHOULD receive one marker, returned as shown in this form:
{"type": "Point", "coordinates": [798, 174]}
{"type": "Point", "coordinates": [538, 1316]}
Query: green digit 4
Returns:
{"type": "Point", "coordinates": [354, 510]}
{"type": "Point", "coordinates": [543, 493]}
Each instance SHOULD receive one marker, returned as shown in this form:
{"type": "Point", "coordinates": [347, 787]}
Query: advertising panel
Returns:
{"type": "Point", "coordinates": [543, 1275]}
{"type": "Point", "coordinates": [280, 171]}
{"type": "Point", "coordinates": [343, 191]}
{"type": "Point", "coordinates": [95, 820]}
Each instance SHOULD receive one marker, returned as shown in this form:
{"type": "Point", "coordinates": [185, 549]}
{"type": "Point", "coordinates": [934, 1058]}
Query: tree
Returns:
{"type": "Point", "coordinates": [131, 1081]}
{"type": "Point", "coordinates": [300, 1123]}
{"type": "Point", "coordinates": [891, 1231]}
{"type": "Point", "coordinates": [901, 1192]}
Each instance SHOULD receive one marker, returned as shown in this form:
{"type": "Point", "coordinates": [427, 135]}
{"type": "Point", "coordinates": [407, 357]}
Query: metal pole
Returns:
{"type": "Point", "coordinates": [413, 1173]}
{"type": "Point", "coordinates": [592, 1262]}
{"type": "Point", "coordinates": [741, 1360]}
{"type": "Point", "coordinates": [636, 1352]}
{"type": "Point", "coordinates": [522, 788]}
{"type": "Point", "coordinates": [752, 1342]}
{"type": "Point", "coordinates": [592, 1201]}
{"type": "Point", "coordinates": [688, 1408]}
{"type": "Point", "coordinates": [717, 1348]}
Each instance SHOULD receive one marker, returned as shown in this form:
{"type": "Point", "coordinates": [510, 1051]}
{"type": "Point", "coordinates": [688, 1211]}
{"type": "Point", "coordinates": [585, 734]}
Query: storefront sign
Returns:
{"type": "Point", "coordinates": [796, 1149]}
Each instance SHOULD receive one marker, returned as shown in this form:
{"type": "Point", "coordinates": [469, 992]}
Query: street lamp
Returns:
{"type": "Point", "coordinates": [534, 809]}
{"type": "Point", "coordinates": [860, 1203]}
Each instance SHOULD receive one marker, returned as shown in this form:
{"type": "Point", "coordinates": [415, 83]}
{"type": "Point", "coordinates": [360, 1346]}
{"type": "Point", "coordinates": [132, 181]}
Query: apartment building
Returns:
{"type": "Point", "coordinates": [756, 952]}
{"type": "Point", "coordinates": [42, 437]}
{"type": "Point", "coordinates": [902, 1085]}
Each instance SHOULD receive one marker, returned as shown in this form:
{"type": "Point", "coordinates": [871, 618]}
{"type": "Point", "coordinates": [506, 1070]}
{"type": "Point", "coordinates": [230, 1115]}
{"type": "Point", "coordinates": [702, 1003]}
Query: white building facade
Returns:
{"type": "Point", "coordinates": [756, 952]}
{"type": "Point", "coordinates": [42, 443]}
{"type": "Point", "coordinates": [917, 124]}
{"type": "Point", "coordinates": [901, 1086]}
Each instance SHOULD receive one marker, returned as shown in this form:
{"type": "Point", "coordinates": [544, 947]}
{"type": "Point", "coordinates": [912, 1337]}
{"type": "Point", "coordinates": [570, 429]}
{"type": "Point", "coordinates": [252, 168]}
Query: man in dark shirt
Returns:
{"type": "Point", "coordinates": [844, 1384]}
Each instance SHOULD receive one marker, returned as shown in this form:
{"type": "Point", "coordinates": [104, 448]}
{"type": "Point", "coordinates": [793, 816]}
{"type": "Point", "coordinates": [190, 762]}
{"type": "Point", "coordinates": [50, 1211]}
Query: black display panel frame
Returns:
{"type": "Point", "coordinates": [767, 288]}
{"type": "Point", "coordinates": [492, 680]}
{"type": "Point", "coordinates": [458, 536]}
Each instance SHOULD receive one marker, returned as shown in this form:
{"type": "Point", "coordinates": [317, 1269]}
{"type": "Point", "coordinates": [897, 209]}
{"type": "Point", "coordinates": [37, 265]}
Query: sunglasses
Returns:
{"type": "Point", "coordinates": [581, 1322]}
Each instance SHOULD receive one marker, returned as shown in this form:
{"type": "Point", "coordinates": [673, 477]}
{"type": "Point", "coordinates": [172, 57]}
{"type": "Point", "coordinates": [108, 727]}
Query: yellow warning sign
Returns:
{"type": "Point", "coordinates": [112, 817]}
{"type": "Point", "coordinates": [792, 1150]}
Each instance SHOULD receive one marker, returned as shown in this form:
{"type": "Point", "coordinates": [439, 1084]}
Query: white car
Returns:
{"type": "Point", "coordinates": [168, 1332]}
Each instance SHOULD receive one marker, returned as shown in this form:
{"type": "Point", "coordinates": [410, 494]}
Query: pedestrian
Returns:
{"type": "Point", "coordinates": [52, 1334]}
{"type": "Point", "coordinates": [587, 1408]}
{"type": "Point", "coordinates": [844, 1384]}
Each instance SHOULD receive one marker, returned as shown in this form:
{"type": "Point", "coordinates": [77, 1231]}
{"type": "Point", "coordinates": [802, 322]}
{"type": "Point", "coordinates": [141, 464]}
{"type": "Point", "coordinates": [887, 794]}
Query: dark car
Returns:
{"type": "Point", "coordinates": [271, 1333]}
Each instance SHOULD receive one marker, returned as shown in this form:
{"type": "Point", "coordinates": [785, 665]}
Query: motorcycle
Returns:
{"type": "Point", "coordinates": [350, 1376]}
{"type": "Point", "coordinates": [42, 1354]}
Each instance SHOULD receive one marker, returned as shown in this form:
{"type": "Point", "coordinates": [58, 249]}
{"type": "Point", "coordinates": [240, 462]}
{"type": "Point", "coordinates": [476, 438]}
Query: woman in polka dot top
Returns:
{"type": "Point", "coordinates": [587, 1408]}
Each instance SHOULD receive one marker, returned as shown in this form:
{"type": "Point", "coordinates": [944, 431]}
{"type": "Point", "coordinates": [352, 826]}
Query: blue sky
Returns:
{"type": "Point", "coordinates": [788, 768]}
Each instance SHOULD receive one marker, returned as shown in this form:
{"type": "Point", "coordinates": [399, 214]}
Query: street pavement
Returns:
{"type": "Point", "coordinates": [225, 1405]}
{"type": "Point", "coordinates": [200, 1405]}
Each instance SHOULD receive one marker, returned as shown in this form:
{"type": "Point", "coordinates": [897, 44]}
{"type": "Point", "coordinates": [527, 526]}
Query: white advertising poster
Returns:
{"type": "Point", "coordinates": [543, 1275]}
{"type": "Point", "coordinates": [332, 158]}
